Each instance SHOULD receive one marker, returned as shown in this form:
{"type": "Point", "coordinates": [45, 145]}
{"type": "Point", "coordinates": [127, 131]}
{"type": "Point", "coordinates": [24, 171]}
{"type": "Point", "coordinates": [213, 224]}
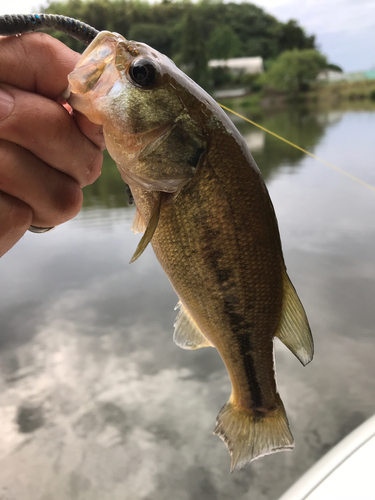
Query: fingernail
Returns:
{"type": "Point", "coordinates": [6, 104]}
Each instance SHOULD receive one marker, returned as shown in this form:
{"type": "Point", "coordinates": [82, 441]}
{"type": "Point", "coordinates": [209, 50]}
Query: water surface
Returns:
{"type": "Point", "coordinates": [97, 402]}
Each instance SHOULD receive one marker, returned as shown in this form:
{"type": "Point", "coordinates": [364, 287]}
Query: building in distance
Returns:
{"type": "Point", "coordinates": [239, 65]}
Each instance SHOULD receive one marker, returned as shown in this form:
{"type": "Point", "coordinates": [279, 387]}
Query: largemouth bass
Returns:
{"type": "Point", "coordinates": [204, 206]}
{"type": "Point", "coordinates": [202, 203]}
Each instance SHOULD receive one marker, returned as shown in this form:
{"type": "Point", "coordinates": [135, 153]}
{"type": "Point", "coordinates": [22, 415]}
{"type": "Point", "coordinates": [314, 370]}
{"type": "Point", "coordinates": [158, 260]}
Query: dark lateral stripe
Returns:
{"type": "Point", "coordinates": [252, 380]}
{"type": "Point", "coordinates": [241, 329]}
{"type": "Point", "coordinates": [239, 326]}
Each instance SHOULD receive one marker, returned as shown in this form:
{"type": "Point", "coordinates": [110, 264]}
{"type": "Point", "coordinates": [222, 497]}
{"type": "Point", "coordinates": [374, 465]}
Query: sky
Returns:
{"type": "Point", "coordinates": [344, 29]}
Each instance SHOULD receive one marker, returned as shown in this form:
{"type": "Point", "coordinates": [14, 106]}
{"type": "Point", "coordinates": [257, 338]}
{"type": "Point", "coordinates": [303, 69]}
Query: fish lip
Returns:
{"type": "Point", "coordinates": [98, 55]}
{"type": "Point", "coordinates": [113, 38]}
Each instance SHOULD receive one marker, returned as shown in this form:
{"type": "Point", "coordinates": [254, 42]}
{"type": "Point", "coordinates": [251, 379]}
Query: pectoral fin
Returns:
{"type": "Point", "coordinates": [150, 230]}
{"type": "Point", "coordinates": [187, 333]}
{"type": "Point", "coordinates": [138, 224]}
{"type": "Point", "coordinates": [294, 330]}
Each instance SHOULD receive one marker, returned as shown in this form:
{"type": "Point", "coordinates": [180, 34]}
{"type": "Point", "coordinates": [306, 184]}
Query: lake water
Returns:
{"type": "Point", "coordinates": [98, 403]}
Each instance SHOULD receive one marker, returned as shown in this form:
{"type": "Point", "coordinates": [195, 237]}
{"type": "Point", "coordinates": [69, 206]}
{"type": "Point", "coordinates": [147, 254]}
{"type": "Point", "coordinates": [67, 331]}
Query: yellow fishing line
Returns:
{"type": "Point", "coordinates": [340, 170]}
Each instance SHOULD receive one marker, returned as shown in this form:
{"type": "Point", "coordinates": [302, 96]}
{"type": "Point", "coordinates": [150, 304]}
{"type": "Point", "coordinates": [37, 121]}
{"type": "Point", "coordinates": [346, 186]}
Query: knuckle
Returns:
{"type": "Point", "coordinates": [21, 215]}
{"type": "Point", "coordinates": [42, 43]}
{"type": "Point", "coordinates": [94, 167]}
{"type": "Point", "coordinates": [67, 201]}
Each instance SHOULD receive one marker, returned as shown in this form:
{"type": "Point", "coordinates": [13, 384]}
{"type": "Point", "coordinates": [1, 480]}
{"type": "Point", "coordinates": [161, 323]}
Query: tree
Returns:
{"type": "Point", "coordinates": [224, 29]}
{"type": "Point", "coordinates": [190, 33]}
{"type": "Point", "coordinates": [294, 70]}
{"type": "Point", "coordinates": [292, 36]}
{"type": "Point", "coordinates": [334, 67]}
{"type": "Point", "coordinates": [192, 53]}
{"type": "Point", "coordinates": [223, 43]}
{"type": "Point", "coordinates": [155, 35]}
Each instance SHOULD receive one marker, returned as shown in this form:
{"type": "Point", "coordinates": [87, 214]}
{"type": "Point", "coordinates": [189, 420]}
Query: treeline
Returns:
{"type": "Point", "coordinates": [191, 33]}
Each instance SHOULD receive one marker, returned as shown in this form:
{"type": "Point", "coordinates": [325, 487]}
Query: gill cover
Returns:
{"type": "Point", "coordinates": [130, 90]}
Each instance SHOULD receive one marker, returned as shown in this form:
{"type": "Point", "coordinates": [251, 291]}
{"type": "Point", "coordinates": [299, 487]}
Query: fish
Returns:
{"type": "Point", "coordinates": [202, 203]}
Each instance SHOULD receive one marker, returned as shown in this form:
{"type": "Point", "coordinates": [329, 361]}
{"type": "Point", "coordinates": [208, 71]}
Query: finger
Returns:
{"type": "Point", "coordinates": [15, 219]}
{"type": "Point", "coordinates": [53, 196]}
{"type": "Point", "coordinates": [39, 63]}
{"type": "Point", "coordinates": [45, 128]}
{"type": "Point", "coordinates": [91, 130]}
{"type": "Point", "coordinates": [36, 62]}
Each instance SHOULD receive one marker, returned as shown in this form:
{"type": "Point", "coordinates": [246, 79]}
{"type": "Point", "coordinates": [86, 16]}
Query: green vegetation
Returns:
{"type": "Point", "coordinates": [294, 70]}
{"type": "Point", "coordinates": [344, 91]}
{"type": "Point", "coordinates": [191, 33]}
{"type": "Point", "coordinates": [296, 124]}
{"type": "Point", "coordinates": [110, 192]}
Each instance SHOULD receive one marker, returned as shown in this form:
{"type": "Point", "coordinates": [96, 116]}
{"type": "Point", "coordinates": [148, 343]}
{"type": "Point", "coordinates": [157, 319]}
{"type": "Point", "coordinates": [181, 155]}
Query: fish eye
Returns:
{"type": "Point", "coordinates": [143, 72]}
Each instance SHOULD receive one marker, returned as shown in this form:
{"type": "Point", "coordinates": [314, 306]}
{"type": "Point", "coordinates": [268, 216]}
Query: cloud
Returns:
{"type": "Point", "coordinates": [344, 29]}
{"type": "Point", "coordinates": [321, 16]}
{"type": "Point", "coordinates": [108, 427]}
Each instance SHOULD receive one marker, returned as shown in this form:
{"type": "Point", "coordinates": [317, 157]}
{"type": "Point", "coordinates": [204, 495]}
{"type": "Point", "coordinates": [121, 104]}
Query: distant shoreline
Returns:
{"type": "Point", "coordinates": [348, 94]}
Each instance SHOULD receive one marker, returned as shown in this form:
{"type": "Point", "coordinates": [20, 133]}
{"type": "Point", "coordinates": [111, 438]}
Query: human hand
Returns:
{"type": "Point", "coordinates": [46, 154]}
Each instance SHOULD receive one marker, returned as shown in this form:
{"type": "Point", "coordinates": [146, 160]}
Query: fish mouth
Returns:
{"type": "Point", "coordinates": [93, 63]}
{"type": "Point", "coordinates": [96, 73]}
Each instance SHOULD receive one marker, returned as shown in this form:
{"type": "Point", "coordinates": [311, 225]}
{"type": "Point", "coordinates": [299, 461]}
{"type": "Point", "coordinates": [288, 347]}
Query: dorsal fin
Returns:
{"type": "Point", "coordinates": [151, 228]}
{"type": "Point", "coordinates": [186, 332]}
{"type": "Point", "coordinates": [294, 330]}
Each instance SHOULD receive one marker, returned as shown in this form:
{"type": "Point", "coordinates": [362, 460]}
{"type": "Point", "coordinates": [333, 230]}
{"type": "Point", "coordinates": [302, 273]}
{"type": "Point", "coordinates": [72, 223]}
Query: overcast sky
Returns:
{"type": "Point", "coordinates": [344, 29]}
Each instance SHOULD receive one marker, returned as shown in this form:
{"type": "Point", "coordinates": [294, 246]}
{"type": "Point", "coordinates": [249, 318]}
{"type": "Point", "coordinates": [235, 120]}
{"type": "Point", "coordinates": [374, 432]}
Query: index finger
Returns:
{"type": "Point", "coordinates": [36, 62]}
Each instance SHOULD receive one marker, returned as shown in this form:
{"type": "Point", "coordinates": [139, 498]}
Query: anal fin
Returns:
{"type": "Point", "coordinates": [294, 330]}
{"type": "Point", "coordinates": [186, 332]}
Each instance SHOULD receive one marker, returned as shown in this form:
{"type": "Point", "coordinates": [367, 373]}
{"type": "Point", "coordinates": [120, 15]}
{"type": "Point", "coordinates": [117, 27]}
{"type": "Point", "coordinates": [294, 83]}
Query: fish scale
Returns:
{"type": "Point", "coordinates": [206, 293]}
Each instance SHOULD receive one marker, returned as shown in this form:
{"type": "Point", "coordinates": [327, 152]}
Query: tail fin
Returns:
{"type": "Point", "coordinates": [249, 436]}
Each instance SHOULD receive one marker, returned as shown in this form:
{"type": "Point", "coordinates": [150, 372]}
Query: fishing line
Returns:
{"type": "Point", "coordinates": [340, 170]}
